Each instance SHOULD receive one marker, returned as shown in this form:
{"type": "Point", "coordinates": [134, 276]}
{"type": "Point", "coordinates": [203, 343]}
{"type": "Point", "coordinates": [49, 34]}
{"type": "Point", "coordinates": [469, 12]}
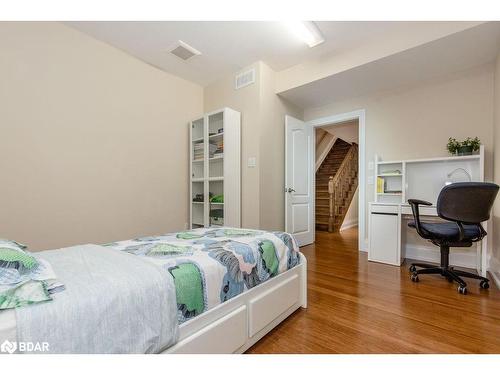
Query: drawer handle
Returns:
{"type": "Point", "coordinates": [384, 213]}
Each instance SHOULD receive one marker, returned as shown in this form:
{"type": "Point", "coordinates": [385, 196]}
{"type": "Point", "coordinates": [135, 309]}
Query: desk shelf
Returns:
{"type": "Point", "coordinates": [390, 175]}
{"type": "Point", "coordinates": [423, 178]}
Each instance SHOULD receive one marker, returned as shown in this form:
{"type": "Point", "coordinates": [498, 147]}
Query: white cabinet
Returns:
{"type": "Point", "coordinates": [385, 232]}
{"type": "Point", "coordinates": [215, 169]}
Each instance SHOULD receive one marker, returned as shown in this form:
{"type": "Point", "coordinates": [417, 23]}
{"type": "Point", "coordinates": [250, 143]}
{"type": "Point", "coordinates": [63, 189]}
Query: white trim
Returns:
{"type": "Point", "coordinates": [362, 208]}
{"type": "Point", "coordinates": [326, 151]}
{"type": "Point", "coordinates": [226, 328]}
{"type": "Point", "coordinates": [348, 224]}
{"type": "Point", "coordinates": [494, 270]}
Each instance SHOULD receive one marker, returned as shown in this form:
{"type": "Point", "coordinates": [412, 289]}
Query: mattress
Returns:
{"type": "Point", "coordinates": [113, 302]}
{"type": "Point", "coordinates": [213, 265]}
{"type": "Point", "coordinates": [208, 266]}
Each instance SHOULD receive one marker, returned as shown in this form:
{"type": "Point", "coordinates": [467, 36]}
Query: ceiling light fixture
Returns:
{"type": "Point", "coordinates": [307, 31]}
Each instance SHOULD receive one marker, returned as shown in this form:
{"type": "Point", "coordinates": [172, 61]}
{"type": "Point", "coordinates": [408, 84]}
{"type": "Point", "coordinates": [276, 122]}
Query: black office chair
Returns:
{"type": "Point", "coordinates": [464, 205]}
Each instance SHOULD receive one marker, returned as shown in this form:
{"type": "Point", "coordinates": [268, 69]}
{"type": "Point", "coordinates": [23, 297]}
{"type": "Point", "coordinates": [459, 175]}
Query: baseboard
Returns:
{"type": "Point", "coordinates": [364, 244]}
{"type": "Point", "coordinates": [431, 254]}
{"type": "Point", "coordinates": [349, 224]}
{"type": "Point", "coordinates": [494, 270]}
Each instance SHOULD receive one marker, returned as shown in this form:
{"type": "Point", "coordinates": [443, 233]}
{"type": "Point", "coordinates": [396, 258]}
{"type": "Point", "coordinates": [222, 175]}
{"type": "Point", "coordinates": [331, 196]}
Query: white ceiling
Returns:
{"type": "Point", "coordinates": [455, 53]}
{"type": "Point", "coordinates": [227, 47]}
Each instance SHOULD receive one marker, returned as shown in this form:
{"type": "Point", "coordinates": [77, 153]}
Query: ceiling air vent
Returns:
{"type": "Point", "coordinates": [244, 79]}
{"type": "Point", "coordinates": [184, 51]}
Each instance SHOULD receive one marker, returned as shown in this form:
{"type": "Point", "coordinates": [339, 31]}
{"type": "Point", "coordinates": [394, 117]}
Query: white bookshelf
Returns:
{"type": "Point", "coordinates": [215, 169]}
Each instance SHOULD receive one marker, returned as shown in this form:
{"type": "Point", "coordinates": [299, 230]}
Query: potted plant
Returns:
{"type": "Point", "coordinates": [466, 147]}
{"type": "Point", "coordinates": [452, 146]}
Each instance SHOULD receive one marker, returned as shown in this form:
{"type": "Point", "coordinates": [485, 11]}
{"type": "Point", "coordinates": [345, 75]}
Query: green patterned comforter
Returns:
{"type": "Point", "coordinates": [211, 266]}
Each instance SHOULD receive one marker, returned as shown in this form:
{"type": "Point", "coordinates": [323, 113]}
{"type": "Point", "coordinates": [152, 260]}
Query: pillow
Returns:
{"type": "Point", "coordinates": [13, 243]}
{"type": "Point", "coordinates": [24, 279]}
{"type": "Point", "coordinates": [15, 262]}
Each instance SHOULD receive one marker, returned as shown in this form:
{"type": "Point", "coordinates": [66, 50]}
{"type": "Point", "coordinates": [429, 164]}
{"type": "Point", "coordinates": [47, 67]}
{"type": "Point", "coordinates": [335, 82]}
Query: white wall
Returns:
{"type": "Point", "coordinates": [94, 141]}
{"type": "Point", "coordinates": [347, 131]}
{"type": "Point", "coordinates": [324, 144]}
{"type": "Point", "coordinates": [495, 258]}
{"type": "Point", "coordinates": [263, 129]}
{"type": "Point", "coordinates": [415, 122]}
{"type": "Point", "coordinates": [245, 100]}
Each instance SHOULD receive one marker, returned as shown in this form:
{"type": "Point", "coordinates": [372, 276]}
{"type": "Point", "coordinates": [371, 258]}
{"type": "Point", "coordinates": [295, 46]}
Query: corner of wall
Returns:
{"type": "Point", "coordinates": [494, 263]}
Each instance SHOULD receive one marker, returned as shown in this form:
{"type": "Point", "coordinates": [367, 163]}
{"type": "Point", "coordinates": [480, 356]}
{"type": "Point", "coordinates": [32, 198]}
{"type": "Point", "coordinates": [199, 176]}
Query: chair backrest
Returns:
{"type": "Point", "coordinates": [467, 202]}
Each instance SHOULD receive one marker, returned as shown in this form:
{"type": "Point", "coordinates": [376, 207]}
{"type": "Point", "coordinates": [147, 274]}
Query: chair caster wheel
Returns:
{"type": "Point", "coordinates": [484, 284]}
{"type": "Point", "coordinates": [414, 277]}
{"type": "Point", "coordinates": [413, 268]}
{"type": "Point", "coordinates": [462, 290]}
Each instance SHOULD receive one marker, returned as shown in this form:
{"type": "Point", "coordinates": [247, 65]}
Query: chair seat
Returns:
{"type": "Point", "coordinates": [448, 231]}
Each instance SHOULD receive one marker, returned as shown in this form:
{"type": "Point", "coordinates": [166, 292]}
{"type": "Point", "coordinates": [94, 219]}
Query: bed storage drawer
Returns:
{"type": "Point", "coordinates": [265, 308]}
{"type": "Point", "coordinates": [222, 336]}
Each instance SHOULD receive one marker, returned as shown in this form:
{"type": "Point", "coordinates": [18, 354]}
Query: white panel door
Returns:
{"type": "Point", "coordinates": [299, 203]}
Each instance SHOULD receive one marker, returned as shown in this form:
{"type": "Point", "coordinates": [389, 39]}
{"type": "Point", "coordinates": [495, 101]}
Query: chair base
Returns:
{"type": "Point", "coordinates": [450, 273]}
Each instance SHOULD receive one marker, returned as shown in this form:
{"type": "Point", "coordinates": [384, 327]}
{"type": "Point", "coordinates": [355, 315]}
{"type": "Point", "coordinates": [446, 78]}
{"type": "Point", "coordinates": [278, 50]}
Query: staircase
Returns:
{"type": "Point", "coordinates": [336, 183]}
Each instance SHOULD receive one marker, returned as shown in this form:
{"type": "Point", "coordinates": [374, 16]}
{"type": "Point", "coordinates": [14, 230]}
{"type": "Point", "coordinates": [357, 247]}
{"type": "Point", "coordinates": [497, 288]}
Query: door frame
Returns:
{"type": "Point", "coordinates": [336, 119]}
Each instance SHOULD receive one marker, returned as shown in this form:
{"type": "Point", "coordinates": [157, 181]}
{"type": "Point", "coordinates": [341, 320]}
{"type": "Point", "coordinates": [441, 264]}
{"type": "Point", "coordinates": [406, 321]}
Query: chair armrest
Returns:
{"type": "Point", "coordinates": [414, 203]}
{"type": "Point", "coordinates": [419, 202]}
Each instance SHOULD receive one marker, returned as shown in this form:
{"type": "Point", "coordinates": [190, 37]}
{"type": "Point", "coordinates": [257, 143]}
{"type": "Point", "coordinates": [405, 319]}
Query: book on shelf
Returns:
{"type": "Point", "coordinates": [380, 185]}
{"type": "Point", "coordinates": [216, 148]}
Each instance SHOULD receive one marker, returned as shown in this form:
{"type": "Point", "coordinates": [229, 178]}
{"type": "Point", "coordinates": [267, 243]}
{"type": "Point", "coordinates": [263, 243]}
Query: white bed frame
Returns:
{"type": "Point", "coordinates": [237, 324]}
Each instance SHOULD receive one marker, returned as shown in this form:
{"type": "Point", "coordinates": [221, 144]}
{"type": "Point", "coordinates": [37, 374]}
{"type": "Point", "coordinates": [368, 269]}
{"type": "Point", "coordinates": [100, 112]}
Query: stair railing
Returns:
{"type": "Point", "coordinates": [339, 184]}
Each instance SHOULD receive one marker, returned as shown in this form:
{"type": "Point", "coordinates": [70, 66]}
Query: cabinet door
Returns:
{"type": "Point", "coordinates": [384, 238]}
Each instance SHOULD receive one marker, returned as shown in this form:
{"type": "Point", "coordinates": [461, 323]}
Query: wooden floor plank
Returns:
{"type": "Point", "coordinates": [356, 306]}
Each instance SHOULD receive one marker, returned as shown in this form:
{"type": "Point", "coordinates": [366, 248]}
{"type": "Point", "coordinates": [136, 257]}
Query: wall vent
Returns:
{"type": "Point", "coordinates": [244, 79]}
{"type": "Point", "coordinates": [184, 51]}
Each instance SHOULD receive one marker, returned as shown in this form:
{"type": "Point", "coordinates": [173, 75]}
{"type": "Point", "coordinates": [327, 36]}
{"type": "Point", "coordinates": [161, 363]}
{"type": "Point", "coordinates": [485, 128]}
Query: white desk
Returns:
{"type": "Point", "coordinates": [416, 179]}
{"type": "Point", "coordinates": [386, 236]}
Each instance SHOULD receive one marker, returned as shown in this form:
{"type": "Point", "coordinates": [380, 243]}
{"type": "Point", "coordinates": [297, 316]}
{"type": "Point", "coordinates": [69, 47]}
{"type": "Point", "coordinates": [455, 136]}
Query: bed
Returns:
{"type": "Point", "coordinates": [226, 288]}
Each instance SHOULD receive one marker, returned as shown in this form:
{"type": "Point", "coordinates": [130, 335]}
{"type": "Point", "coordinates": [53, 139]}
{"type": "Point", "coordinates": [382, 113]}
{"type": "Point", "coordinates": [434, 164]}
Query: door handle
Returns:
{"type": "Point", "coordinates": [289, 190]}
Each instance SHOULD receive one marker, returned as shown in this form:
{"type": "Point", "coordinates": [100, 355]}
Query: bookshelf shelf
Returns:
{"type": "Point", "coordinates": [216, 135]}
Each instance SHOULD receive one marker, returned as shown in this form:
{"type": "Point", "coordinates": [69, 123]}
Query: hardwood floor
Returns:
{"type": "Point", "coordinates": [356, 306]}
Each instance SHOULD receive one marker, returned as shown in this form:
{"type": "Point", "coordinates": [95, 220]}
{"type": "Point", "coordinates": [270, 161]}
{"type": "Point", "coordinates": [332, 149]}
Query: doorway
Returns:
{"type": "Point", "coordinates": [300, 166]}
{"type": "Point", "coordinates": [336, 176]}
{"type": "Point", "coordinates": [341, 120]}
